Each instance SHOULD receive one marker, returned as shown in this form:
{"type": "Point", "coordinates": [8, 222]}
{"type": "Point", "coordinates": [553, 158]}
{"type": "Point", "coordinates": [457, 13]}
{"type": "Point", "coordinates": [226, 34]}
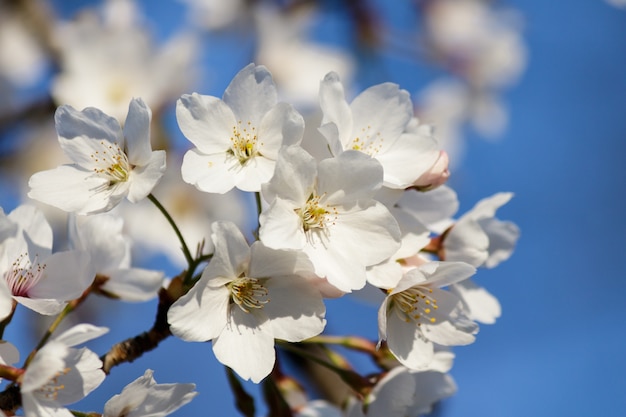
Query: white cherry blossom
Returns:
{"type": "Point", "coordinates": [380, 123]}
{"type": "Point", "coordinates": [34, 276]}
{"type": "Point", "coordinates": [108, 163]}
{"type": "Point", "coordinates": [328, 212]}
{"type": "Point", "coordinates": [145, 398]}
{"type": "Point", "coordinates": [60, 374]}
{"type": "Point", "coordinates": [404, 393]}
{"type": "Point", "coordinates": [237, 138]}
{"type": "Point", "coordinates": [417, 313]}
{"type": "Point", "coordinates": [246, 298]}
{"type": "Point", "coordinates": [109, 249]}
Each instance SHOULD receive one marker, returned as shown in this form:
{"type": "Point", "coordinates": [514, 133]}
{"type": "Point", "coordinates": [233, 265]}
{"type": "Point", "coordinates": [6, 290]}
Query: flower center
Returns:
{"type": "Point", "coordinates": [314, 215]}
{"type": "Point", "coordinates": [23, 275]}
{"type": "Point", "coordinates": [416, 304]}
{"type": "Point", "coordinates": [248, 293]}
{"type": "Point", "coordinates": [368, 142]}
{"type": "Point", "coordinates": [111, 162]}
{"type": "Point", "coordinates": [244, 143]}
{"type": "Point", "coordinates": [50, 390]}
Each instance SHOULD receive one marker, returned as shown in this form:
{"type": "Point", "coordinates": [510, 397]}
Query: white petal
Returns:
{"type": "Point", "coordinates": [434, 208]}
{"type": "Point", "coordinates": [430, 387]}
{"type": "Point", "coordinates": [34, 408]}
{"type": "Point", "coordinates": [251, 94]}
{"type": "Point", "coordinates": [33, 222]}
{"type": "Point", "coordinates": [370, 235]}
{"type": "Point", "coordinates": [383, 110]}
{"type": "Point", "coordinates": [407, 159]}
{"type": "Point", "coordinates": [246, 346]}
{"type": "Point", "coordinates": [134, 284]}
{"type": "Point", "coordinates": [281, 227]}
{"type": "Point", "coordinates": [447, 273]}
{"type": "Point", "coordinates": [481, 305]}
{"type": "Point", "coordinates": [57, 283]}
{"type": "Point", "coordinates": [281, 126]}
{"type": "Point", "coordinates": [406, 342]}
{"type": "Point", "coordinates": [503, 237]}
{"type": "Point", "coordinates": [80, 333]}
{"type": "Point", "coordinates": [48, 361]}
{"type": "Point", "coordinates": [80, 131]}
{"type": "Point", "coordinates": [392, 395]}
{"type": "Point", "coordinates": [253, 173]}
{"type": "Point", "coordinates": [73, 190]}
{"type": "Point", "coordinates": [84, 375]}
{"type": "Point", "coordinates": [336, 109]}
{"type": "Point", "coordinates": [487, 207]}
{"type": "Point", "coordinates": [201, 314]}
{"type": "Point", "coordinates": [101, 236]}
{"type": "Point", "coordinates": [137, 132]}
{"type": "Point", "coordinates": [294, 176]}
{"type": "Point", "coordinates": [232, 253]}
{"type": "Point", "coordinates": [144, 178]}
{"type": "Point", "coordinates": [206, 121]}
{"type": "Point", "coordinates": [210, 173]}
{"type": "Point", "coordinates": [6, 300]}
{"type": "Point", "coordinates": [47, 307]}
{"type": "Point", "coordinates": [266, 262]}
{"type": "Point", "coordinates": [447, 334]}
{"type": "Point", "coordinates": [296, 310]}
{"type": "Point", "coordinates": [467, 242]}
{"type": "Point", "coordinates": [348, 177]}
{"type": "Point", "coordinates": [145, 398]}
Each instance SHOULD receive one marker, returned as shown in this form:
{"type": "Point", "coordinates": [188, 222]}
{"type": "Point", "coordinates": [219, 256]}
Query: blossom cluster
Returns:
{"type": "Point", "coordinates": [373, 215]}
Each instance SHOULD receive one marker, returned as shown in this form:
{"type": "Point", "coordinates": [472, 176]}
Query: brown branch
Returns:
{"type": "Point", "coordinates": [132, 348]}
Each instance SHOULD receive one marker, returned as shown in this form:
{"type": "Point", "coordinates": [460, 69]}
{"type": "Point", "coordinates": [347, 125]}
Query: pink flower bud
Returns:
{"type": "Point", "coordinates": [437, 175]}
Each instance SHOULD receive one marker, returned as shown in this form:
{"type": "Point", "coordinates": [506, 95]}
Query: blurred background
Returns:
{"type": "Point", "coordinates": [527, 96]}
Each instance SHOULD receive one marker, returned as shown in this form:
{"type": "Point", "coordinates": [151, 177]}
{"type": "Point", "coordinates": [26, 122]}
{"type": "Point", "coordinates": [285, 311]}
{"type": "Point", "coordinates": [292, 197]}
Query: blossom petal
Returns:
{"type": "Point", "coordinates": [232, 253]}
{"type": "Point", "coordinates": [407, 159]}
{"type": "Point", "coordinates": [206, 121]}
{"type": "Point", "coordinates": [134, 284]}
{"type": "Point", "coordinates": [335, 107]}
{"type": "Point", "coordinates": [296, 310]}
{"type": "Point", "coordinates": [281, 227]}
{"type": "Point", "coordinates": [48, 361]}
{"type": "Point", "coordinates": [281, 126]}
{"type": "Point", "coordinates": [85, 374]}
{"type": "Point", "coordinates": [82, 131]}
{"type": "Point", "coordinates": [251, 94]}
{"type": "Point", "coordinates": [72, 189]}
{"type": "Point", "coordinates": [137, 132]}
{"type": "Point", "coordinates": [253, 173]}
{"type": "Point", "coordinates": [33, 222]}
{"type": "Point", "coordinates": [201, 314]}
{"type": "Point", "coordinates": [383, 110]}
{"type": "Point", "coordinates": [407, 343]}
{"type": "Point", "coordinates": [34, 408]}
{"type": "Point", "coordinates": [80, 333]}
{"type": "Point", "coordinates": [479, 303]}
{"type": "Point", "coordinates": [246, 346]}
{"type": "Point", "coordinates": [144, 178]}
{"type": "Point", "coordinates": [348, 177]}
{"type": "Point", "coordinates": [503, 236]}
{"type": "Point", "coordinates": [57, 284]}
{"type": "Point", "coordinates": [434, 208]}
{"type": "Point", "coordinates": [210, 173]}
{"type": "Point", "coordinates": [467, 242]}
{"type": "Point", "coordinates": [294, 176]}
